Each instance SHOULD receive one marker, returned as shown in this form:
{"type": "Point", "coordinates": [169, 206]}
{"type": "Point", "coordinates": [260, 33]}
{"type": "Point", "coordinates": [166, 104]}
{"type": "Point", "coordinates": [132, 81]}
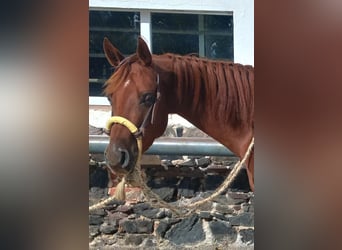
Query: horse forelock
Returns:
{"type": "Point", "coordinates": [120, 74]}
{"type": "Point", "coordinates": [225, 88]}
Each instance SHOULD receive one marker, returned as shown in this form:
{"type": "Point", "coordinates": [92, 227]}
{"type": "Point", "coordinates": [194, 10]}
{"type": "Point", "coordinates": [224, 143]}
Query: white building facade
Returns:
{"type": "Point", "coordinates": [217, 29]}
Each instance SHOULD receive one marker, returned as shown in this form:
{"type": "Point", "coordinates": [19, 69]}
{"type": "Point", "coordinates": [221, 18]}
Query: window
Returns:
{"type": "Point", "coordinates": [122, 29]}
{"type": "Point", "coordinates": [210, 36]}
{"type": "Point", "coordinates": [207, 35]}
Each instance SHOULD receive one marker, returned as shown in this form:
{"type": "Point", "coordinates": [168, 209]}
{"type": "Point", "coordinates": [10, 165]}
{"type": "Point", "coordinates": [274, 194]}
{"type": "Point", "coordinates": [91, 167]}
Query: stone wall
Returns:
{"type": "Point", "coordinates": [227, 222]}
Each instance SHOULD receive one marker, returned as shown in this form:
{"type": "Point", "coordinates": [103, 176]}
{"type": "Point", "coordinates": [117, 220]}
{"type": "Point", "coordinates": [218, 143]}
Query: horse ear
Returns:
{"type": "Point", "coordinates": [143, 52]}
{"type": "Point", "coordinates": [113, 55]}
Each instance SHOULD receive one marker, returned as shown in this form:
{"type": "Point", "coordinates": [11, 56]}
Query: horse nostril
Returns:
{"type": "Point", "coordinates": [124, 160]}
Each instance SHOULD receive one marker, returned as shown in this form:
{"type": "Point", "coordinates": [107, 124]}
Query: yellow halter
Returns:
{"type": "Point", "coordinates": [130, 126]}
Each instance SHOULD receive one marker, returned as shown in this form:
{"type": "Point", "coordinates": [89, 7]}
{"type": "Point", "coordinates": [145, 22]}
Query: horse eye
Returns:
{"type": "Point", "coordinates": [148, 99]}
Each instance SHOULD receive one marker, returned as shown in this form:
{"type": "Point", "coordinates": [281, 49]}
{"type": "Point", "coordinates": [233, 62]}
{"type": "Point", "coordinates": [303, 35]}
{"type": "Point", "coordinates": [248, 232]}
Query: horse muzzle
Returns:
{"type": "Point", "coordinates": [120, 159]}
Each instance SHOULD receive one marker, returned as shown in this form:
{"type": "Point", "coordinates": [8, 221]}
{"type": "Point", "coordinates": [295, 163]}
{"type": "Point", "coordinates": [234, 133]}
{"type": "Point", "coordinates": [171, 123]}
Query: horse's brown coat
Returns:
{"type": "Point", "coordinates": [216, 96]}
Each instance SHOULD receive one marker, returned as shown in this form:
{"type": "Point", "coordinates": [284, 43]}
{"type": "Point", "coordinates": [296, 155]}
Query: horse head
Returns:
{"type": "Point", "coordinates": [133, 91]}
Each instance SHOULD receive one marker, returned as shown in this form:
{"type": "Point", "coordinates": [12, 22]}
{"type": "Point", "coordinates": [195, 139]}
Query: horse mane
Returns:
{"type": "Point", "coordinates": [226, 88]}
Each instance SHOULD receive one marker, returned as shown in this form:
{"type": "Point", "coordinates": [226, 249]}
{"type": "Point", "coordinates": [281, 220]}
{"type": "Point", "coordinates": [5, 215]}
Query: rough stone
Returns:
{"type": "Point", "coordinates": [204, 161]}
{"type": "Point", "coordinates": [205, 215]}
{"type": "Point", "coordinates": [165, 193]}
{"type": "Point", "coordinates": [97, 244]}
{"type": "Point", "coordinates": [222, 230]}
{"type": "Point", "coordinates": [219, 216]}
{"type": "Point", "coordinates": [250, 209]}
{"type": "Point", "coordinates": [223, 209]}
{"type": "Point", "coordinates": [245, 207]}
{"type": "Point", "coordinates": [244, 219]}
{"type": "Point", "coordinates": [137, 226]}
{"type": "Point", "coordinates": [163, 213]}
{"type": "Point", "coordinates": [127, 209]}
{"type": "Point", "coordinates": [147, 211]}
{"type": "Point", "coordinates": [172, 221]}
{"type": "Point", "coordinates": [183, 163]}
{"type": "Point", "coordinates": [251, 199]}
{"type": "Point", "coordinates": [213, 181]}
{"type": "Point", "coordinates": [98, 178]}
{"type": "Point", "coordinates": [188, 231]}
{"type": "Point", "coordinates": [150, 243]}
{"type": "Point", "coordinates": [116, 217]}
{"type": "Point", "coordinates": [134, 239]}
{"type": "Point", "coordinates": [207, 206]}
{"type": "Point", "coordinates": [108, 228]}
{"type": "Point", "coordinates": [97, 192]}
{"type": "Point", "coordinates": [239, 197]}
{"type": "Point", "coordinates": [158, 182]}
{"type": "Point", "coordinates": [99, 211]}
{"type": "Point", "coordinates": [112, 205]}
{"type": "Point", "coordinates": [162, 228]}
{"type": "Point", "coordinates": [95, 219]}
{"type": "Point", "coordinates": [151, 213]}
{"type": "Point", "coordinates": [247, 235]}
{"type": "Point", "coordinates": [187, 187]}
{"type": "Point", "coordinates": [93, 231]}
{"type": "Point", "coordinates": [235, 199]}
{"type": "Point", "coordinates": [132, 216]}
{"type": "Point", "coordinates": [241, 181]}
{"type": "Point", "coordinates": [141, 206]}
{"type": "Point", "coordinates": [221, 199]}
{"type": "Point", "coordinates": [237, 207]}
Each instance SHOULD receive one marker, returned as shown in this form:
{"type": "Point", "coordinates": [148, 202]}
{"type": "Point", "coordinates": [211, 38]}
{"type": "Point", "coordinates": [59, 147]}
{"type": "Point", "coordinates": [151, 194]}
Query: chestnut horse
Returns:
{"type": "Point", "coordinates": [216, 96]}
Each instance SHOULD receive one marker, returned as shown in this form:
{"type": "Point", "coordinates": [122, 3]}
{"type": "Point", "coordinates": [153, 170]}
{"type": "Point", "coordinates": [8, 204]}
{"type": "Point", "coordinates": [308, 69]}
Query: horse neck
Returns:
{"type": "Point", "coordinates": [189, 92]}
{"type": "Point", "coordinates": [181, 94]}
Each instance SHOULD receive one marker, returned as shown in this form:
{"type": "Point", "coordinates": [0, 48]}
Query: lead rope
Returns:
{"type": "Point", "coordinates": [192, 207]}
{"type": "Point", "coordinates": [137, 178]}
{"type": "Point", "coordinates": [228, 179]}
{"type": "Point", "coordinates": [120, 188]}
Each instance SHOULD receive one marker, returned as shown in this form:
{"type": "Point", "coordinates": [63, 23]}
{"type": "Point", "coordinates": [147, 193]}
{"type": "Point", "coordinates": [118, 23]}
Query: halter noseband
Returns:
{"type": "Point", "coordinates": [137, 132]}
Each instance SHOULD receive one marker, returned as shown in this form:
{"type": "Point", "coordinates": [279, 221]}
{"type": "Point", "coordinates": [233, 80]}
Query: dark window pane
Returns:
{"type": "Point", "coordinates": [208, 35]}
{"type": "Point", "coordinates": [122, 29]}
{"type": "Point", "coordinates": [219, 47]}
{"type": "Point", "coordinates": [99, 68]}
{"type": "Point", "coordinates": [125, 41]}
{"type": "Point", "coordinates": [178, 44]}
{"type": "Point", "coordinates": [218, 23]}
{"type": "Point", "coordinates": [96, 89]}
{"type": "Point", "coordinates": [174, 22]}
{"type": "Point", "coordinates": [125, 20]}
